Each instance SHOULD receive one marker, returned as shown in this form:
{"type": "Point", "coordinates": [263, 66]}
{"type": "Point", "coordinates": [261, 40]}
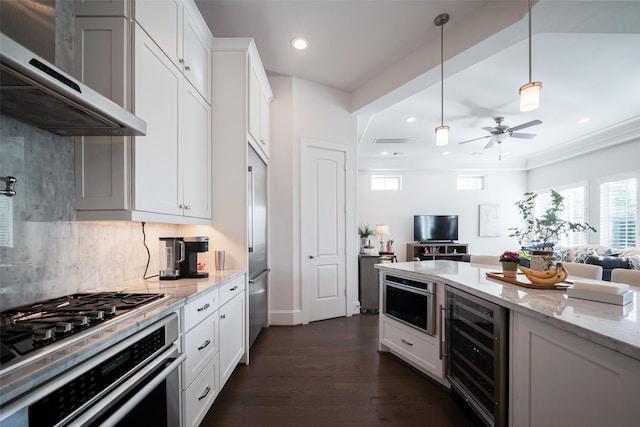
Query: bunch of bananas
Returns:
{"type": "Point", "coordinates": [548, 277]}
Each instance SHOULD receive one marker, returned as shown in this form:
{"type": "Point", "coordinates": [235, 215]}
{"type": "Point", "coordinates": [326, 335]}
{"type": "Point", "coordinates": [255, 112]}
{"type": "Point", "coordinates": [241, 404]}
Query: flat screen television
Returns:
{"type": "Point", "coordinates": [438, 228]}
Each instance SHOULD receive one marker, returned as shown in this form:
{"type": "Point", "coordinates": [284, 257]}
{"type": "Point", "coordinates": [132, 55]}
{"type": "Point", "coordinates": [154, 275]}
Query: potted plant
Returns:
{"type": "Point", "coordinates": [390, 245]}
{"type": "Point", "coordinates": [509, 261]}
{"type": "Point", "coordinates": [364, 231]}
{"type": "Point", "coordinates": [543, 232]}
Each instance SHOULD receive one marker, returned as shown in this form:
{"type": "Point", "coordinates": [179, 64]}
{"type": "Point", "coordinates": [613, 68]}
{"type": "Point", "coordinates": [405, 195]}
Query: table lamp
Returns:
{"type": "Point", "coordinates": [382, 230]}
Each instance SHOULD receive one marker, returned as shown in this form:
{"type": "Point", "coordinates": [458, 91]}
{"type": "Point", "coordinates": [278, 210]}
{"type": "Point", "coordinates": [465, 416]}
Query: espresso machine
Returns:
{"type": "Point", "coordinates": [179, 257]}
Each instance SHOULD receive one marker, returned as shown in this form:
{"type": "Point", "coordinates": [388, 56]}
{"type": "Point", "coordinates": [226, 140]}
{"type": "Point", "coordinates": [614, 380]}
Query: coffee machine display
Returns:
{"type": "Point", "coordinates": [189, 267]}
{"type": "Point", "coordinates": [172, 255]}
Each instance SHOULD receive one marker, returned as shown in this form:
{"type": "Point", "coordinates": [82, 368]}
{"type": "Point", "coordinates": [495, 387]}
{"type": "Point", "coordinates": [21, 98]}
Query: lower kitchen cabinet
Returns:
{"type": "Point", "coordinates": [560, 379]}
{"type": "Point", "coordinates": [232, 324]}
{"type": "Point", "coordinates": [200, 370]}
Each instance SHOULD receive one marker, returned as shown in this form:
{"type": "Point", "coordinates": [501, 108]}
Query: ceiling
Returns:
{"type": "Point", "coordinates": [386, 53]}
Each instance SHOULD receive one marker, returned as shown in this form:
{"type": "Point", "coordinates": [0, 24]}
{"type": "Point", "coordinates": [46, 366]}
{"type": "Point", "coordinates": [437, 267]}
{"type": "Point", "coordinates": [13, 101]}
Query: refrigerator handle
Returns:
{"type": "Point", "coordinates": [251, 208]}
{"type": "Point", "coordinates": [265, 271]}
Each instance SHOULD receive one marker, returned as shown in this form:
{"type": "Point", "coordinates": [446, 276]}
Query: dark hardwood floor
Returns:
{"type": "Point", "coordinates": [329, 373]}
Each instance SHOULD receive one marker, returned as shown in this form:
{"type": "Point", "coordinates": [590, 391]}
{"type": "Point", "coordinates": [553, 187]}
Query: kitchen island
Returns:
{"type": "Point", "coordinates": [570, 361]}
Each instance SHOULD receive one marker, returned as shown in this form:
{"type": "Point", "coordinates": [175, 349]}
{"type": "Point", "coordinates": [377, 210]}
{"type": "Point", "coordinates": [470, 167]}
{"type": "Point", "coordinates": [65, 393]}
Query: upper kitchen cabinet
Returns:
{"type": "Point", "coordinates": [179, 30]}
{"type": "Point", "coordinates": [164, 176]}
{"type": "Point", "coordinates": [236, 61]}
{"type": "Point", "coordinates": [103, 8]}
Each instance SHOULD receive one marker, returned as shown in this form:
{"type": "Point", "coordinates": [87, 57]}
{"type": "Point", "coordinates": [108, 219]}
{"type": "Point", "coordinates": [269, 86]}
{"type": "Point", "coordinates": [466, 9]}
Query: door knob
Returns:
{"type": "Point", "coordinates": [311, 257]}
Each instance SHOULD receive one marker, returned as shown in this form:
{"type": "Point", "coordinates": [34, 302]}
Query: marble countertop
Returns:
{"type": "Point", "coordinates": [19, 379]}
{"type": "Point", "coordinates": [613, 326]}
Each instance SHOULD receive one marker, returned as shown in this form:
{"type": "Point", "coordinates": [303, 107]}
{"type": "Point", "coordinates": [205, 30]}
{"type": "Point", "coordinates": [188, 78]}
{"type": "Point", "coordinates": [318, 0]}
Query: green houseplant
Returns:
{"type": "Point", "coordinates": [364, 231]}
{"type": "Point", "coordinates": [545, 230]}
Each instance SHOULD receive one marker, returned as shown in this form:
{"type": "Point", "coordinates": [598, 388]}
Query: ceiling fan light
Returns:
{"type": "Point", "coordinates": [530, 96]}
{"type": "Point", "coordinates": [442, 135]}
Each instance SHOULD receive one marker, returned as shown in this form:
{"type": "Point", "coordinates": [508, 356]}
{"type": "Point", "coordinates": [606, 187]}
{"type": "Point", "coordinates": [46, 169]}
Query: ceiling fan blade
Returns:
{"type": "Point", "coordinates": [523, 135]}
{"type": "Point", "coordinates": [489, 144]}
{"type": "Point", "coordinates": [524, 125]}
{"type": "Point", "coordinates": [475, 139]}
{"type": "Point", "coordinates": [489, 129]}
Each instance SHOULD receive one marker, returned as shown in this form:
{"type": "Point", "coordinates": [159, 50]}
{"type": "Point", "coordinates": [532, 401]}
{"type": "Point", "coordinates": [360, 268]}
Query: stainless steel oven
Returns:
{"type": "Point", "coordinates": [409, 301]}
{"type": "Point", "coordinates": [133, 381]}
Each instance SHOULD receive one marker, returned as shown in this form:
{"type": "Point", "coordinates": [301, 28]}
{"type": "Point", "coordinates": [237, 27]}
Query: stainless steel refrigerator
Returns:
{"type": "Point", "coordinates": [257, 236]}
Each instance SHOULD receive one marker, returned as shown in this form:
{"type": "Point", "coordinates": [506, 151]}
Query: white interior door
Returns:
{"type": "Point", "coordinates": [323, 225]}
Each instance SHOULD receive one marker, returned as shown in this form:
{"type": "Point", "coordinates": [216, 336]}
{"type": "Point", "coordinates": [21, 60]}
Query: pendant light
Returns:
{"type": "Point", "coordinates": [442, 131]}
{"type": "Point", "coordinates": [530, 92]}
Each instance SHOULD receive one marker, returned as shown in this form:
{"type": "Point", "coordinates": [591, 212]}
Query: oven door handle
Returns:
{"type": "Point", "coordinates": [171, 358]}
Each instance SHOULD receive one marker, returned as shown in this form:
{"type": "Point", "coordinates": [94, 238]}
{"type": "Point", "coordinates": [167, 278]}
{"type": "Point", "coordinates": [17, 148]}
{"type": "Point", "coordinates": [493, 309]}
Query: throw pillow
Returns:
{"type": "Point", "coordinates": [560, 255]}
{"type": "Point", "coordinates": [584, 256]}
{"type": "Point", "coordinates": [634, 262]}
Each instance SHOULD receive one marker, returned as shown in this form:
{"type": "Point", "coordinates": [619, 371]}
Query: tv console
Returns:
{"type": "Point", "coordinates": [436, 250]}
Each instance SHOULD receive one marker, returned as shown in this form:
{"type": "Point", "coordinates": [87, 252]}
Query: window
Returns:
{"type": "Point", "coordinates": [466, 182]}
{"type": "Point", "coordinates": [618, 213]}
{"type": "Point", "coordinates": [574, 211]}
{"type": "Point", "coordinates": [385, 182]}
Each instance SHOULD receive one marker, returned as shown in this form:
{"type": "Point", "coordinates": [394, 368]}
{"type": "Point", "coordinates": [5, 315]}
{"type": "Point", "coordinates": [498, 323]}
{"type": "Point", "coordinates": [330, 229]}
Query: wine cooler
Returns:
{"type": "Point", "coordinates": [477, 344]}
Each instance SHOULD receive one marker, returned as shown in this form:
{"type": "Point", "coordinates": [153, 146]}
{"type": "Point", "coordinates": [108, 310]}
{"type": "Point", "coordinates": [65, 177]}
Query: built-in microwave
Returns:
{"type": "Point", "coordinates": [410, 301]}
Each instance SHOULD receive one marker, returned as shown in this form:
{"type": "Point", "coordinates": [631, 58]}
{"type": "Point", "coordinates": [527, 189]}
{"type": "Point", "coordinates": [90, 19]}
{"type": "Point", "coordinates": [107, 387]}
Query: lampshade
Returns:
{"type": "Point", "coordinates": [442, 135]}
{"type": "Point", "coordinates": [382, 229]}
{"type": "Point", "coordinates": [530, 96]}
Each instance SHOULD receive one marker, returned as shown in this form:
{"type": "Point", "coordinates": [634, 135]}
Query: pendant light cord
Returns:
{"type": "Point", "coordinates": [530, 74]}
{"type": "Point", "coordinates": [442, 74]}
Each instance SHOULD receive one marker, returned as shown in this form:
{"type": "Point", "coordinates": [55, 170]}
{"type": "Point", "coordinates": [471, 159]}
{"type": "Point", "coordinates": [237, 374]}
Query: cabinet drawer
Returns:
{"type": "Point", "coordinates": [199, 309]}
{"type": "Point", "coordinates": [199, 397]}
{"type": "Point", "coordinates": [419, 349]}
{"type": "Point", "coordinates": [200, 344]}
{"type": "Point", "coordinates": [231, 289]}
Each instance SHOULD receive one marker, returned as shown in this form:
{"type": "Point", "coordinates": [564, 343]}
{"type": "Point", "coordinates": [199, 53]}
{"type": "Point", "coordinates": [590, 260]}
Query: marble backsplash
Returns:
{"type": "Point", "coordinates": [44, 251]}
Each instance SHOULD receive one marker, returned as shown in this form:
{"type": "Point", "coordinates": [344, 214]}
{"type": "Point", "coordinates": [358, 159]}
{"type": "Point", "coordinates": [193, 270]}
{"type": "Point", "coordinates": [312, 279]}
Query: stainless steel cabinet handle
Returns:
{"type": "Point", "coordinates": [406, 342]}
{"type": "Point", "coordinates": [187, 68]}
{"type": "Point", "coordinates": [204, 345]}
{"type": "Point", "coordinates": [181, 60]}
{"type": "Point", "coordinates": [311, 257]}
{"type": "Point", "coordinates": [204, 307]}
{"type": "Point", "coordinates": [223, 316]}
{"type": "Point", "coordinates": [441, 354]}
{"type": "Point", "coordinates": [234, 288]}
{"type": "Point", "coordinates": [206, 391]}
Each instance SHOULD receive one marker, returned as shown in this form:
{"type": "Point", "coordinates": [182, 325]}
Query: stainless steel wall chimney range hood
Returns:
{"type": "Point", "coordinates": [36, 92]}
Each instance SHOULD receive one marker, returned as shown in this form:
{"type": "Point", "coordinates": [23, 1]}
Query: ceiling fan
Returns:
{"type": "Point", "coordinates": [500, 132]}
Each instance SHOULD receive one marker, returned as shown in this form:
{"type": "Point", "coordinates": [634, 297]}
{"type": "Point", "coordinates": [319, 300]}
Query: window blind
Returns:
{"type": "Point", "coordinates": [618, 213]}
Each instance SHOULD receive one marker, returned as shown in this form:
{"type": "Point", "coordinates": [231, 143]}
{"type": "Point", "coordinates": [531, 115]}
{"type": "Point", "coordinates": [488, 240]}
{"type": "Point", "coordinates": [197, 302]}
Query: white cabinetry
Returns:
{"type": "Point", "coordinates": [557, 378]}
{"type": "Point", "coordinates": [200, 371]}
{"type": "Point", "coordinates": [164, 176]}
{"type": "Point", "coordinates": [259, 100]}
{"type": "Point", "coordinates": [415, 347]}
{"type": "Point", "coordinates": [180, 32]}
{"type": "Point", "coordinates": [233, 326]}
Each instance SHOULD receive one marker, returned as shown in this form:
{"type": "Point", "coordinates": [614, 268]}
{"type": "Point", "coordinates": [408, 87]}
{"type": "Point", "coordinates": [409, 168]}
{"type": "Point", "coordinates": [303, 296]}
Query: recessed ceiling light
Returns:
{"type": "Point", "coordinates": [299, 43]}
{"type": "Point", "coordinates": [584, 120]}
{"type": "Point", "coordinates": [410, 119]}
{"type": "Point", "coordinates": [384, 153]}
{"type": "Point", "coordinates": [445, 153]}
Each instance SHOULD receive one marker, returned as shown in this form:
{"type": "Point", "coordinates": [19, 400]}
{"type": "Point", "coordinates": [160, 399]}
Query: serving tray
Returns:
{"type": "Point", "coordinates": [527, 284]}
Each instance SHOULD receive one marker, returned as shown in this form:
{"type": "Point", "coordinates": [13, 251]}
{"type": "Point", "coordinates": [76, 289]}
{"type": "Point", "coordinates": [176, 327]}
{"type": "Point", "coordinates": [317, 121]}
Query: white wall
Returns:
{"type": "Point", "coordinates": [300, 110]}
{"type": "Point", "coordinates": [434, 192]}
{"type": "Point", "coordinates": [617, 162]}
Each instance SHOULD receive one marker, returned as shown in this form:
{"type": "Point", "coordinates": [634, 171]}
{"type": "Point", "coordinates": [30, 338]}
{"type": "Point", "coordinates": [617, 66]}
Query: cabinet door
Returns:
{"type": "Point", "coordinates": [254, 105]}
{"type": "Point", "coordinates": [264, 124]}
{"type": "Point", "coordinates": [195, 154]}
{"type": "Point", "coordinates": [158, 87]}
{"type": "Point", "coordinates": [557, 378]}
{"type": "Point", "coordinates": [232, 331]}
{"type": "Point", "coordinates": [162, 20]}
{"type": "Point", "coordinates": [197, 58]}
{"type": "Point", "coordinates": [102, 47]}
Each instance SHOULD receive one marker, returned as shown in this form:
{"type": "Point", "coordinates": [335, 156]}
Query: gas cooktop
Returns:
{"type": "Point", "coordinates": [31, 327]}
